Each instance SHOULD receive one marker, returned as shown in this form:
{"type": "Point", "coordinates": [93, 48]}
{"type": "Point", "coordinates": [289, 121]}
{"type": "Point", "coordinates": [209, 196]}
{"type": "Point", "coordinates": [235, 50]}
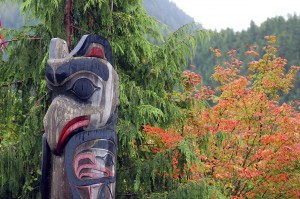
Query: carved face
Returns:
{"type": "Point", "coordinates": [91, 162]}
{"type": "Point", "coordinates": [81, 119]}
{"type": "Point", "coordinates": [84, 91]}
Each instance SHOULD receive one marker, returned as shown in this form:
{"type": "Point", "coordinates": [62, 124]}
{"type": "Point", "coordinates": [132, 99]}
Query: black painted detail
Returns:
{"type": "Point", "coordinates": [49, 73]}
{"type": "Point", "coordinates": [103, 192]}
{"type": "Point", "coordinates": [46, 159]}
{"type": "Point", "coordinates": [108, 160]}
{"type": "Point", "coordinates": [83, 88]}
{"type": "Point", "coordinates": [83, 45]}
{"type": "Point", "coordinates": [75, 65]}
{"type": "Point", "coordinates": [108, 141]}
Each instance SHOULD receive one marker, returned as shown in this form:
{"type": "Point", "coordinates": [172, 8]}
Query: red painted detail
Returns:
{"type": "Point", "coordinates": [95, 170]}
{"type": "Point", "coordinates": [69, 128]}
{"type": "Point", "coordinates": [96, 52]}
{"type": "Point", "coordinates": [82, 156]}
{"type": "Point", "coordinates": [2, 40]}
{"type": "Point", "coordinates": [2, 43]}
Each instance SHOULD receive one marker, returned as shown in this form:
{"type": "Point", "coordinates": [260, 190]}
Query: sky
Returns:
{"type": "Point", "coordinates": [236, 14]}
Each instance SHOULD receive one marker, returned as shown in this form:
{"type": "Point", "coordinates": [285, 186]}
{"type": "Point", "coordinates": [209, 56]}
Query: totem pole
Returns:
{"type": "Point", "coordinates": [80, 142]}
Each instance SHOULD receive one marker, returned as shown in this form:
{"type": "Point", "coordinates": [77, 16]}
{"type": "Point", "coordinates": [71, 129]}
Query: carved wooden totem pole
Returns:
{"type": "Point", "coordinates": [80, 143]}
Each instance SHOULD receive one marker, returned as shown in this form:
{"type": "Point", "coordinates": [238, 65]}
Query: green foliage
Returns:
{"type": "Point", "coordinates": [22, 108]}
{"type": "Point", "coordinates": [190, 191]}
{"type": "Point", "coordinates": [148, 74]}
{"type": "Point", "coordinates": [287, 32]}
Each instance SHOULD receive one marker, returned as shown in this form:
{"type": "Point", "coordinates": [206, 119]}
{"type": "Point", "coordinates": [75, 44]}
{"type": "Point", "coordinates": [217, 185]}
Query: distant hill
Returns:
{"type": "Point", "coordinates": [11, 15]}
{"type": "Point", "coordinates": [163, 10]}
{"type": "Point", "coordinates": [167, 12]}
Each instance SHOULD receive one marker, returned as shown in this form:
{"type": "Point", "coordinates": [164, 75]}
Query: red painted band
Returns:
{"type": "Point", "coordinates": [69, 128]}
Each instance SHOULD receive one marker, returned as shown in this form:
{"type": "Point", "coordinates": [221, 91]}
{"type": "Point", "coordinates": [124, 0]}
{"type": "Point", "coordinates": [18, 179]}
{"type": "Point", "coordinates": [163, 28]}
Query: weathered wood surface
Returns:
{"type": "Point", "coordinates": [79, 153]}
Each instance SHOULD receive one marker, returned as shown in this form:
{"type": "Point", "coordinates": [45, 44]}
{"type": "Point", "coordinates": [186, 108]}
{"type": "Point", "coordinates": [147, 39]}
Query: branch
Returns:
{"type": "Point", "coordinates": [83, 30]}
{"type": "Point", "coordinates": [38, 101]}
{"type": "Point", "coordinates": [14, 82]}
{"type": "Point", "coordinates": [248, 152]}
{"type": "Point", "coordinates": [19, 39]}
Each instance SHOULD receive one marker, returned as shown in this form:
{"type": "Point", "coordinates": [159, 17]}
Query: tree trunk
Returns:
{"type": "Point", "coordinates": [68, 10]}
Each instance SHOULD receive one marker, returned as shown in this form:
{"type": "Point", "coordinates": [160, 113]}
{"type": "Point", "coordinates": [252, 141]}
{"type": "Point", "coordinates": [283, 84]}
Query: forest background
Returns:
{"type": "Point", "coordinates": [218, 135]}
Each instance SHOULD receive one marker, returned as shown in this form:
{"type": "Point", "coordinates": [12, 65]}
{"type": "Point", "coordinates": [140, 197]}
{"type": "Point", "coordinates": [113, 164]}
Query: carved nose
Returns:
{"type": "Point", "coordinates": [64, 116]}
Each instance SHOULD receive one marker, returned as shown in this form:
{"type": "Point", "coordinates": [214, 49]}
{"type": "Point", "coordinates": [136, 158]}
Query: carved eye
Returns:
{"type": "Point", "coordinates": [83, 88]}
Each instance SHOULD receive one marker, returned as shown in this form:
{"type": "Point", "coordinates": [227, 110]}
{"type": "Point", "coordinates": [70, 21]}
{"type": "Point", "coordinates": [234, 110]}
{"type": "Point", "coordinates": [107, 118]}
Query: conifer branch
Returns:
{"type": "Point", "coordinates": [14, 82]}
{"type": "Point", "coordinates": [20, 39]}
{"type": "Point", "coordinates": [81, 29]}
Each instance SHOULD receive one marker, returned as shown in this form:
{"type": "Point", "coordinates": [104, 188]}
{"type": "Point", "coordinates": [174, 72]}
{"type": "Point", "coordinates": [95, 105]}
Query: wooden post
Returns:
{"type": "Point", "coordinates": [80, 142]}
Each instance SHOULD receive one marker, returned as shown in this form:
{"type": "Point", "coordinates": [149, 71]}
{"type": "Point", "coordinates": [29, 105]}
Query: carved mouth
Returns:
{"type": "Point", "coordinates": [71, 128]}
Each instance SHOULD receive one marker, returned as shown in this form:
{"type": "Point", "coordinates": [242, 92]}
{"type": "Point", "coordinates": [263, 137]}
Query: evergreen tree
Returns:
{"type": "Point", "coordinates": [148, 73]}
{"type": "Point", "coordinates": [286, 31]}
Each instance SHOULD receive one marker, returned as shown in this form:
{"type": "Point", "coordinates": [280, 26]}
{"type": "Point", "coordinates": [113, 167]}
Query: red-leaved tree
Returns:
{"type": "Point", "coordinates": [247, 141]}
